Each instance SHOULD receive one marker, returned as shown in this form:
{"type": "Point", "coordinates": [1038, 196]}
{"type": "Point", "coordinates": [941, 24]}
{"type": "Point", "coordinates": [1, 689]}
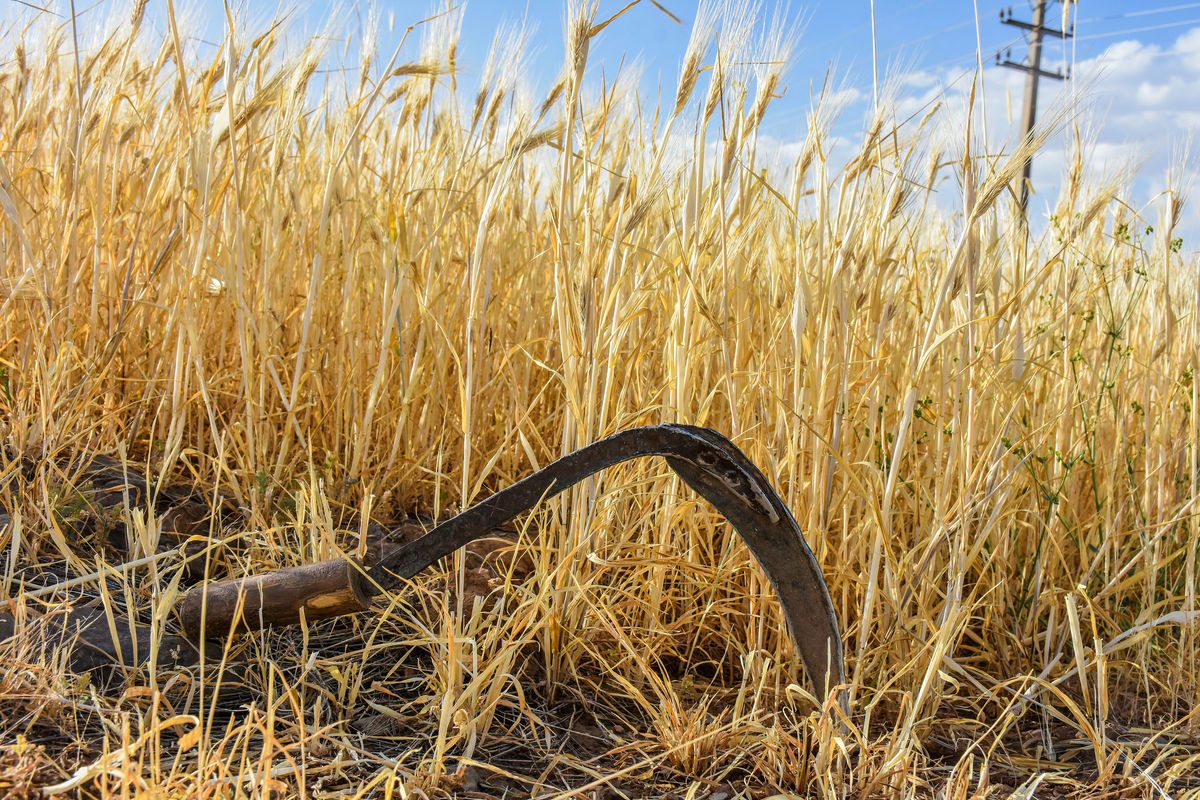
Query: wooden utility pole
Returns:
{"type": "Point", "coordinates": [1033, 70]}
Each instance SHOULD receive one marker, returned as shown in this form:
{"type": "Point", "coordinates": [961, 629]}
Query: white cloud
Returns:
{"type": "Point", "coordinates": [840, 98]}
{"type": "Point", "coordinates": [1149, 94]}
{"type": "Point", "coordinates": [1129, 57]}
{"type": "Point", "coordinates": [1187, 47]}
{"type": "Point", "coordinates": [920, 79]}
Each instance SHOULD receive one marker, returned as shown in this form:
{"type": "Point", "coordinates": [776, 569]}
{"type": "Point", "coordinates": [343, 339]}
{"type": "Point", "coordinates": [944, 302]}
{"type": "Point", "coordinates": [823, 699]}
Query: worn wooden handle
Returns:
{"type": "Point", "coordinates": [312, 591]}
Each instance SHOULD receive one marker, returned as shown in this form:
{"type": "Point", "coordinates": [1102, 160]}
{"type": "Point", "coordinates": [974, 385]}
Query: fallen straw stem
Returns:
{"type": "Point", "coordinates": [106, 570]}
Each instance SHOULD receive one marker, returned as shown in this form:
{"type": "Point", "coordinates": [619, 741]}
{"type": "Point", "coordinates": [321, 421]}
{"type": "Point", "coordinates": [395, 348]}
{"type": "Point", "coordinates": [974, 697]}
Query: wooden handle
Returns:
{"type": "Point", "coordinates": [325, 589]}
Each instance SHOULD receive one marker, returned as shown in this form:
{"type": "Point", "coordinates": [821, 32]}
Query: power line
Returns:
{"type": "Point", "coordinates": [1140, 30]}
{"type": "Point", "coordinates": [973, 56]}
{"type": "Point", "coordinates": [927, 36]}
{"type": "Point", "coordinates": [859, 28]}
{"type": "Point", "coordinates": [1146, 12]}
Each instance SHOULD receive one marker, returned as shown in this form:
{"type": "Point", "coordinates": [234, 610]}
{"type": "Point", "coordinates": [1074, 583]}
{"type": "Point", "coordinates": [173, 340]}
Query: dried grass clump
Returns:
{"type": "Point", "coordinates": [389, 302]}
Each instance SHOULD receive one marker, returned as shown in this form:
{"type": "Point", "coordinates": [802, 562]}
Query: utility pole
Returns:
{"type": "Point", "coordinates": [1033, 70]}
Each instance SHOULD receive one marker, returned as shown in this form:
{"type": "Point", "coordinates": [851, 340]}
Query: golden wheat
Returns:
{"type": "Point", "coordinates": [387, 303]}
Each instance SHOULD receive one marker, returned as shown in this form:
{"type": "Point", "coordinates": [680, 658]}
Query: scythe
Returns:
{"type": "Point", "coordinates": [706, 461]}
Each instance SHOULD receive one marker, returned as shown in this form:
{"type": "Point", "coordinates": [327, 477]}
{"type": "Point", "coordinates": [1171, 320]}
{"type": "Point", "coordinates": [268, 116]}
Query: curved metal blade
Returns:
{"type": "Point", "coordinates": [717, 470]}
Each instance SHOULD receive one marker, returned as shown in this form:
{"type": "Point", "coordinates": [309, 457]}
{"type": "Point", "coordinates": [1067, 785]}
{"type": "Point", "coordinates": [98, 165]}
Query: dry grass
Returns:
{"type": "Point", "coordinates": [377, 300]}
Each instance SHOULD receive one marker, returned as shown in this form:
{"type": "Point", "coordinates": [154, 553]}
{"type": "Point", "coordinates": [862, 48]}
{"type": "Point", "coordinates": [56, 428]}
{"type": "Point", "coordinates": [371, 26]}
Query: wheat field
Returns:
{"type": "Point", "coordinates": [393, 293]}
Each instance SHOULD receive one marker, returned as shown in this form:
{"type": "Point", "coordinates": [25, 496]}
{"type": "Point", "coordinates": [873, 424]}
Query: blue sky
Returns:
{"type": "Point", "coordinates": [1137, 64]}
